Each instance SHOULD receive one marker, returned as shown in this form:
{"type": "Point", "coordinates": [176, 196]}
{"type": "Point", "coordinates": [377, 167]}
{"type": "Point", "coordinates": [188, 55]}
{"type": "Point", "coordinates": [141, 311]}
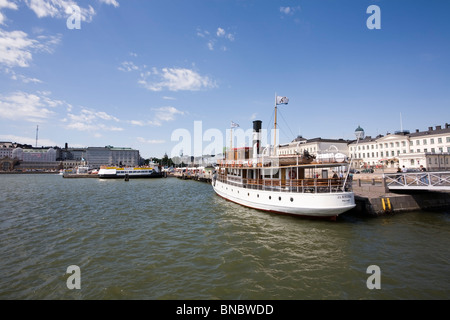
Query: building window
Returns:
{"type": "Point", "coordinates": [403, 143]}
{"type": "Point", "coordinates": [448, 139]}
{"type": "Point", "coordinates": [439, 140]}
{"type": "Point", "coordinates": [433, 150]}
{"type": "Point", "coordinates": [432, 141]}
{"type": "Point", "coordinates": [417, 143]}
{"type": "Point", "coordinates": [424, 141]}
{"type": "Point", "coordinates": [425, 150]}
{"type": "Point", "coordinates": [397, 144]}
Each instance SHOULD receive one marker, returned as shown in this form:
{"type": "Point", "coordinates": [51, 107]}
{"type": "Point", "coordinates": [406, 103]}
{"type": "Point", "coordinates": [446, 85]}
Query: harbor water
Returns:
{"type": "Point", "coordinates": [174, 239]}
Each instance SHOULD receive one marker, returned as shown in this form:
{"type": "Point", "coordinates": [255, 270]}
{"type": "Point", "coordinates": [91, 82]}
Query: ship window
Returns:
{"type": "Point", "coordinates": [248, 194]}
{"type": "Point", "coordinates": [292, 199]}
{"type": "Point", "coordinates": [279, 198]}
{"type": "Point", "coordinates": [270, 197]}
{"type": "Point", "coordinates": [257, 195]}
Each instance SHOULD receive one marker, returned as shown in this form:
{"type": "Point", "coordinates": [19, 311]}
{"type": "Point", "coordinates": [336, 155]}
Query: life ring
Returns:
{"type": "Point", "coordinates": [292, 174]}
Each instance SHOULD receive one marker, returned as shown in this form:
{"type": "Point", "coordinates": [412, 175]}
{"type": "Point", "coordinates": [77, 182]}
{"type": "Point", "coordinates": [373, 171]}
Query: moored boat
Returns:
{"type": "Point", "coordinates": [288, 185]}
{"type": "Point", "coordinates": [129, 172]}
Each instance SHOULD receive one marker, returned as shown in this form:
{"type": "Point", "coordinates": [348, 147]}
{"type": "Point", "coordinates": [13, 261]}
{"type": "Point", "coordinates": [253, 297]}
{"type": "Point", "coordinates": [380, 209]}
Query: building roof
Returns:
{"type": "Point", "coordinates": [431, 131]}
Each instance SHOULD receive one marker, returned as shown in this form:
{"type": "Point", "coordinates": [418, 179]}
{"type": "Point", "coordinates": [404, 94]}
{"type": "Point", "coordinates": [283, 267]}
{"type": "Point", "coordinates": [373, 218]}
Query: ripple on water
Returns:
{"type": "Point", "coordinates": [173, 239]}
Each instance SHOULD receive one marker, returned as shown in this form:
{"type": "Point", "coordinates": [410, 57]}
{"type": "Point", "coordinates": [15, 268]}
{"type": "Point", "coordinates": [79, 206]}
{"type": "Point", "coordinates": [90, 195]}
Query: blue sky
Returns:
{"type": "Point", "coordinates": [138, 70]}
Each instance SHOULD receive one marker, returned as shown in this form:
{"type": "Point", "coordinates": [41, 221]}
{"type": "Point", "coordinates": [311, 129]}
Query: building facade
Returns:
{"type": "Point", "coordinates": [430, 148]}
{"type": "Point", "coordinates": [6, 149]}
{"type": "Point", "coordinates": [34, 155]}
{"type": "Point", "coordinates": [316, 146]}
{"type": "Point", "coordinates": [111, 156]}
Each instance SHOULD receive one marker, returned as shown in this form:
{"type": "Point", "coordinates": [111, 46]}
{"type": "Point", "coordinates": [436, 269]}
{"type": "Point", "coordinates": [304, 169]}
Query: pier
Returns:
{"type": "Point", "coordinates": [197, 174]}
{"type": "Point", "coordinates": [424, 181]}
{"type": "Point", "coordinates": [381, 195]}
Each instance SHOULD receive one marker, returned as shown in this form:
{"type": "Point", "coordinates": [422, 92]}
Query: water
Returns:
{"type": "Point", "coordinates": [174, 239]}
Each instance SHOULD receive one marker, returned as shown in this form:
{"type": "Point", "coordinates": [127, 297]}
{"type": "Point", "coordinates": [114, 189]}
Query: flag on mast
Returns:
{"type": "Point", "coordinates": [234, 125]}
{"type": "Point", "coordinates": [282, 100]}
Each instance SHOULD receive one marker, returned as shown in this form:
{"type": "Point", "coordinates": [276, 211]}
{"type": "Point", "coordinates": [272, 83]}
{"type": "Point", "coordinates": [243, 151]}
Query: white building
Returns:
{"type": "Point", "coordinates": [6, 149]}
{"type": "Point", "coordinates": [429, 148]}
{"type": "Point", "coordinates": [34, 155]}
{"type": "Point", "coordinates": [314, 146]}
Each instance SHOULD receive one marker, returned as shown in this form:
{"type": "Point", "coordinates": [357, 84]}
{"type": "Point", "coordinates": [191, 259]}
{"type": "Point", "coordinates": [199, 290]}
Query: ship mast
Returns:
{"type": "Point", "coordinates": [275, 135]}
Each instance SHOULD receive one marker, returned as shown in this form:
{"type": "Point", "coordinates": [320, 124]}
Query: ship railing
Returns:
{"type": "Point", "coordinates": [290, 185]}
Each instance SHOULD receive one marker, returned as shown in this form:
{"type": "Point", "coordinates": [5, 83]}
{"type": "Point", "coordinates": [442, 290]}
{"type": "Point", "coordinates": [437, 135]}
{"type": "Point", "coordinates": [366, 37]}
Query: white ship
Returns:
{"type": "Point", "coordinates": [287, 185]}
{"type": "Point", "coordinates": [129, 172]}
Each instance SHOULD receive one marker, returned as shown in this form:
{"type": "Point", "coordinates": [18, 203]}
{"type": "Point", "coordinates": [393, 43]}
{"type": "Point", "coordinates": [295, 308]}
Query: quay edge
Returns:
{"type": "Point", "coordinates": [375, 201]}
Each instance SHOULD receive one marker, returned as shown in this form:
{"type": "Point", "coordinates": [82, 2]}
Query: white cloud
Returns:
{"type": "Point", "coordinates": [58, 9]}
{"type": "Point", "coordinates": [16, 47]}
{"type": "Point", "coordinates": [175, 79]}
{"type": "Point", "coordinates": [28, 107]}
{"type": "Point", "coordinates": [27, 140]}
{"type": "Point", "coordinates": [220, 32]}
{"type": "Point", "coordinates": [289, 11]}
{"type": "Point", "coordinates": [128, 66]}
{"type": "Point", "coordinates": [8, 5]}
{"type": "Point", "coordinates": [150, 141]}
{"type": "Point", "coordinates": [91, 120]}
{"type": "Point", "coordinates": [161, 115]}
{"type": "Point", "coordinates": [167, 113]}
{"type": "Point", "coordinates": [218, 37]}
{"type": "Point", "coordinates": [211, 45]}
{"type": "Point", "coordinates": [112, 2]}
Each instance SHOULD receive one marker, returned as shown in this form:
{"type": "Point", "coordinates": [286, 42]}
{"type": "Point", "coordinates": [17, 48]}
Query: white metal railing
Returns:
{"type": "Point", "coordinates": [418, 180]}
{"type": "Point", "coordinates": [293, 185]}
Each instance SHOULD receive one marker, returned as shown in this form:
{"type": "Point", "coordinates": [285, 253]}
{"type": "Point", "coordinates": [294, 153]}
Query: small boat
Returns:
{"type": "Point", "coordinates": [129, 172]}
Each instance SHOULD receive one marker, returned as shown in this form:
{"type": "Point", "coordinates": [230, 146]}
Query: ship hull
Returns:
{"type": "Point", "coordinates": [131, 176]}
{"type": "Point", "coordinates": [317, 205]}
{"type": "Point", "coordinates": [128, 173]}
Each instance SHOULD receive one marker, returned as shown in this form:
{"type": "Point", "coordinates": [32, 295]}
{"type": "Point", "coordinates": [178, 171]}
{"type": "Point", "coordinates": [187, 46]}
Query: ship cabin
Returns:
{"type": "Point", "coordinates": [264, 169]}
{"type": "Point", "coordinates": [292, 173]}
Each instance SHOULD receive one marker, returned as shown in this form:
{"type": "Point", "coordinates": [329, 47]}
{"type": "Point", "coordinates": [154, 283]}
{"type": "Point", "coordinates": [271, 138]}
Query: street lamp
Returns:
{"type": "Point", "coordinates": [359, 133]}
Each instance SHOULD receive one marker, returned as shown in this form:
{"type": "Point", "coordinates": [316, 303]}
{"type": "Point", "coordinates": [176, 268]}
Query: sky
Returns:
{"type": "Point", "coordinates": [154, 75]}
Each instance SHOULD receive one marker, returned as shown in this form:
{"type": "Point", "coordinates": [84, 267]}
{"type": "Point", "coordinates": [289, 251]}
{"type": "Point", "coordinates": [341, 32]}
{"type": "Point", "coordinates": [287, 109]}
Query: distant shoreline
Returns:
{"type": "Point", "coordinates": [31, 172]}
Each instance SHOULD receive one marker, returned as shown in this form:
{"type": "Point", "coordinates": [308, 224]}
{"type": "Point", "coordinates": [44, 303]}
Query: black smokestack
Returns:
{"type": "Point", "coordinates": [257, 125]}
{"type": "Point", "coordinates": [256, 138]}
